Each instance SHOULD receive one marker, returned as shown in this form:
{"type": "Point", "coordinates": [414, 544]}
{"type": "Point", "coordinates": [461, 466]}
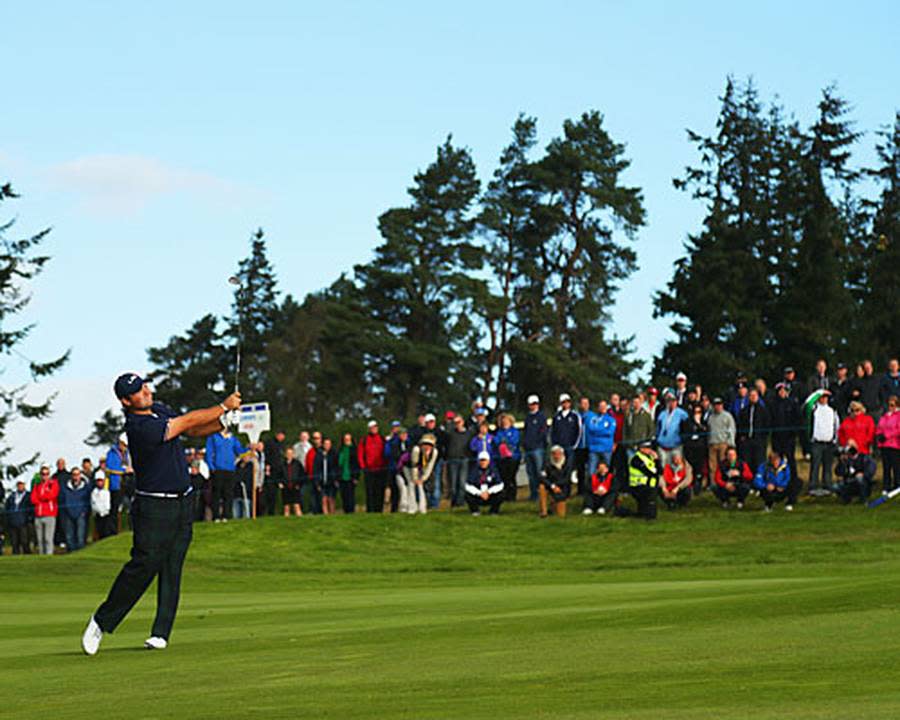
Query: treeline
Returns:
{"type": "Point", "coordinates": [505, 289]}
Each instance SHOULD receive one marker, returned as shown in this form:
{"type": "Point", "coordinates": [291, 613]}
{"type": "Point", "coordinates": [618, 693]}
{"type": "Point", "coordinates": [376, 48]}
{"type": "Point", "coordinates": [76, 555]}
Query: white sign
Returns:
{"type": "Point", "coordinates": [254, 420]}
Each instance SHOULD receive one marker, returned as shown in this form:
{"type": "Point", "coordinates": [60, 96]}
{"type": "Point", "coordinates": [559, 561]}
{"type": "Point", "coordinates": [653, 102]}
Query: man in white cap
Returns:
{"type": "Point", "coordinates": [118, 463]}
{"type": "Point", "coordinates": [534, 442]}
{"type": "Point", "coordinates": [484, 486]}
{"type": "Point", "coordinates": [681, 389]}
{"type": "Point", "coordinates": [566, 430]}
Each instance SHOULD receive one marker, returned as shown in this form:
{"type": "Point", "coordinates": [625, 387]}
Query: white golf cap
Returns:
{"type": "Point", "coordinates": [534, 400]}
{"type": "Point", "coordinates": [564, 397]}
{"type": "Point", "coordinates": [373, 423]}
{"type": "Point", "coordinates": [681, 376]}
{"type": "Point", "coordinates": [484, 455]}
{"type": "Point", "coordinates": [123, 438]}
{"type": "Point", "coordinates": [430, 418]}
{"type": "Point", "coordinates": [99, 475]}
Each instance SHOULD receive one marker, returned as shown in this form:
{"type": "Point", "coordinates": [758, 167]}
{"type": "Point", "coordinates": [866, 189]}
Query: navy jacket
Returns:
{"type": "Point", "coordinates": [74, 502]}
{"type": "Point", "coordinates": [534, 436]}
{"type": "Point", "coordinates": [19, 515]}
{"type": "Point", "coordinates": [566, 430]}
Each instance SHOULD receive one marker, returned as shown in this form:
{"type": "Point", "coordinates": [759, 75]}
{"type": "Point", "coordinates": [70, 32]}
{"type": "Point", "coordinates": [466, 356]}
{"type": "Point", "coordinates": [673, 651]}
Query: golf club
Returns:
{"type": "Point", "coordinates": [236, 281]}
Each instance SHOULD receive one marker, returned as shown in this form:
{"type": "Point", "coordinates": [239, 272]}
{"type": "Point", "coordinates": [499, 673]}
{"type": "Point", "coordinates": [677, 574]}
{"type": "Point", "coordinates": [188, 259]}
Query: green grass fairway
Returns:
{"type": "Point", "coordinates": [704, 614]}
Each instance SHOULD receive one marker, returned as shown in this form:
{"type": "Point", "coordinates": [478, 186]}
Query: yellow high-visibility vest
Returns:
{"type": "Point", "coordinates": [637, 478]}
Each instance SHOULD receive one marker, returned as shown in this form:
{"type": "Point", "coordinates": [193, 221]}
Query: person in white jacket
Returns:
{"type": "Point", "coordinates": [422, 460]}
{"type": "Point", "coordinates": [824, 426]}
{"type": "Point", "coordinates": [100, 505]}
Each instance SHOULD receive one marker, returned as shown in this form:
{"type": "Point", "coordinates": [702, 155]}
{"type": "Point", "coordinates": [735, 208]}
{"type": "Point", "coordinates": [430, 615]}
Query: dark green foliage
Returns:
{"type": "Point", "coordinates": [20, 262]}
{"type": "Point", "coordinates": [107, 429]}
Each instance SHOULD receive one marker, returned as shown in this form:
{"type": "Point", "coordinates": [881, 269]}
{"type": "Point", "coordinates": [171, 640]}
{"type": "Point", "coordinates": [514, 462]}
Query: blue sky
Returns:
{"type": "Point", "coordinates": [155, 138]}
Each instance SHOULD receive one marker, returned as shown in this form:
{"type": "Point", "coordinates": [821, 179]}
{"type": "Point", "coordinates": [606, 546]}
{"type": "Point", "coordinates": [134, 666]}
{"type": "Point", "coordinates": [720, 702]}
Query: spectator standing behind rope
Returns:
{"type": "Point", "coordinates": [222, 452]}
{"type": "Point", "coordinates": [889, 386]}
{"type": "Point", "coordinates": [370, 453]}
{"type": "Point", "coordinates": [858, 427]}
{"type": "Point", "coordinates": [599, 432]}
{"type": "Point", "coordinates": [668, 429]}
{"type": "Point", "coordinates": [19, 519]}
{"type": "Point", "coordinates": [582, 464]}
{"type": "Point", "coordinates": [423, 466]}
{"type": "Point", "coordinates": [75, 507]}
{"type": "Point", "coordinates": [566, 430]}
{"type": "Point", "coordinates": [348, 474]}
{"type": "Point", "coordinates": [534, 443]}
{"type": "Point", "coordinates": [824, 423]}
{"type": "Point", "coordinates": [786, 420]}
{"type": "Point", "coordinates": [695, 434]}
{"type": "Point", "coordinates": [440, 444]}
{"type": "Point", "coordinates": [507, 440]}
{"type": "Point", "coordinates": [888, 434]}
{"type": "Point", "coordinates": [274, 473]}
{"type": "Point", "coordinates": [458, 459]}
{"type": "Point", "coordinates": [100, 506]}
{"type": "Point", "coordinates": [638, 426]}
{"type": "Point", "coordinates": [44, 497]}
{"type": "Point", "coordinates": [118, 463]}
{"type": "Point", "coordinates": [292, 483]}
{"type": "Point", "coordinates": [753, 430]}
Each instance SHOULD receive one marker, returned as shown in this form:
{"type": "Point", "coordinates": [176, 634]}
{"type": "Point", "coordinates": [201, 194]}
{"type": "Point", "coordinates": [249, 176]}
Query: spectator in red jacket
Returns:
{"type": "Point", "coordinates": [43, 497]}
{"type": "Point", "coordinates": [602, 497]}
{"type": "Point", "coordinates": [374, 466]}
{"type": "Point", "coordinates": [733, 479]}
{"type": "Point", "coordinates": [857, 426]}
{"type": "Point", "coordinates": [677, 481]}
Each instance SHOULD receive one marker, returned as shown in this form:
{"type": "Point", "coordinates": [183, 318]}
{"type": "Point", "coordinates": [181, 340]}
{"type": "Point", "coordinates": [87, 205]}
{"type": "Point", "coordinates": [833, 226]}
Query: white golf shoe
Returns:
{"type": "Point", "coordinates": [155, 643]}
{"type": "Point", "coordinates": [90, 641]}
{"type": "Point", "coordinates": [587, 511]}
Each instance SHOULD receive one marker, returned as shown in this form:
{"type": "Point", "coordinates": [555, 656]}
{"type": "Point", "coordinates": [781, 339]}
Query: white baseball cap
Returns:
{"type": "Point", "coordinates": [373, 423]}
{"type": "Point", "coordinates": [534, 400]}
{"type": "Point", "coordinates": [681, 376]}
{"type": "Point", "coordinates": [484, 455]}
{"type": "Point", "coordinates": [430, 418]}
{"type": "Point", "coordinates": [123, 438]}
{"type": "Point", "coordinates": [564, 397]}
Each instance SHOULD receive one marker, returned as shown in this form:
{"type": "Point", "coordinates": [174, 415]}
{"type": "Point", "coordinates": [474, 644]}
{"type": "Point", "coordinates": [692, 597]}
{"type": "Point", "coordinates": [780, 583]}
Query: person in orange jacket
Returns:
{"type": "Point", "coordinates": [44, 498]}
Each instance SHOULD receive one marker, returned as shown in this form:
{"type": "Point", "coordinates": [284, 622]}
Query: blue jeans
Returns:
{"type": "Point", "coordinates": [240, 508]}
{"type": "Point", "coordinates": [76, 532]}
{"type": "Point", "coordinates": [457, 469]}
{"type": "Point", "coordinates": [435, 499]}
{"type": "Point", "coordinates": [594, 458]}
{"type": "Point", "coordinates": [534, 465]}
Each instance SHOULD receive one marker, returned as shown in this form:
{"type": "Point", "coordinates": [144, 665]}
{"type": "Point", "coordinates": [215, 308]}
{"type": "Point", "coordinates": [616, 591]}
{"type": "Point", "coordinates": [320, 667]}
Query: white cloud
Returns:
{"type": "Point", "coordinates": [125, 184]}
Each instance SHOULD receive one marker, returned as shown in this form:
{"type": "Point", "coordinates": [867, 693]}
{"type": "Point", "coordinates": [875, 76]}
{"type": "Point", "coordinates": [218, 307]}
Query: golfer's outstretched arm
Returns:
{"type": "Point", "coordinates": [202, 422]}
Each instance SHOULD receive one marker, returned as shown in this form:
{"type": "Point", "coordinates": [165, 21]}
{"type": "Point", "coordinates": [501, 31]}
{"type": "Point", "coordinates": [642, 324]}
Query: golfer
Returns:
{"type": "Point", "coordinates": [162, 510]}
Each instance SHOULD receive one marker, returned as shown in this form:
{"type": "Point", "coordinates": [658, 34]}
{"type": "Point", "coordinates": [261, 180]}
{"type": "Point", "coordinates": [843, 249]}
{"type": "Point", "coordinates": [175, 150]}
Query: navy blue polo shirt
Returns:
{"type": "Point", "coordinates": [159, 464]}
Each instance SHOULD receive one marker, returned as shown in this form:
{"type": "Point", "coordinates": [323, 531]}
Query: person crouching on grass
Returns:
{"type": "Point", "coordinates": [643, 479]}
{"type": "Point", "coordinates": [556, 482]}
{"type": "Point", "coordinates": [602, 498]}
{"type": "Point", "coordinates": [485, 487]}
{"type": "Point", "coordinates": [676, 488]}
{"type": "Point", "coordinates": [773, 478]}
{"type": "Point", "coordinates": [732, 480]}
{"type": "Point", "coordinates": [163, 510]}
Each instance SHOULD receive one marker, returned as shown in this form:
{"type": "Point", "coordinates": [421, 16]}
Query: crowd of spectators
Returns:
{"type": "Point", "coordinates": [621, 455]}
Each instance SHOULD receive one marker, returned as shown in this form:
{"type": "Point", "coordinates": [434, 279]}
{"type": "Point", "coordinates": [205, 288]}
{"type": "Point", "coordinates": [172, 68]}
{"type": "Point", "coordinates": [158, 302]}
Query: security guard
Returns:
{"type": "Point", "coordinates": [643, 479]}
{"type": "Point", "coordinates": [163, 508]}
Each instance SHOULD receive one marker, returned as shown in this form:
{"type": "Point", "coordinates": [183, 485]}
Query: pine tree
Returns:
{"type": "Point", "coordinates": [191, 368]}
{"type": "Point", "coordinates": [882, 253]}
{"type": "Point", "coordinates": [254, 315]}
{"type": "Point", "coordinates": [417, 287]}
{"type": "Point", "coordinates": [106, 430]}
{"type": "Point", "coordinates": [19, 263]}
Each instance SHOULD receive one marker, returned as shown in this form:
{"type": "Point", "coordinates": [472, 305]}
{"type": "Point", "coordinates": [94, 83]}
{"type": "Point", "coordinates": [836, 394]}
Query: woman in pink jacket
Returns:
{"type": "Point", "coordinates": [888, 436]}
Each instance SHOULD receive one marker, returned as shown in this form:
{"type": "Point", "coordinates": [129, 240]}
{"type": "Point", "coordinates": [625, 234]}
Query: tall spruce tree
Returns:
{"type": "Point", "coordinates": [881, 299]}
{"type": "Point", "coordinates": [20, 262]}
{"type": "Point", "coordinates": [417, 287]}
{"type": "Point", "coordinates": [107, 429]}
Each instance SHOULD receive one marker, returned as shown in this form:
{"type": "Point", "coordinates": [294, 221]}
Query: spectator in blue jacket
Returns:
{"type": "Point", "coordinates": [668, 430]}
{"type": "Point", "coordinates": [222, 451]}
{"type": "Point", "coordinates": [566, 430]}
{"type": "Point", "coordinates": [740, 401]}
{"type": "Point", "coordinates": [772, 479]}
{"type": "Point", "coordinates": [118, 463]}
{"type": "Point", "coordinates": [19, 519]}
{"type": "Point", "coordinates": [534, 443]}
{"type": "Point", "coordinates": [484, 442]}
{"type": "Point", "coordinates": [583, 468]}
{"type": "Point", "coordinates": [507, 441]}
{"type": "Point", "coordinates": [600, 432]}
{"type": "Point", "coordinates": [75, 507]}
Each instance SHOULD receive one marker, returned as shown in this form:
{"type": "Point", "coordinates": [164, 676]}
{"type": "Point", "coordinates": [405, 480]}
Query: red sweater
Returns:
{"type": "Point", "coordinates": [43, 497]}
{"type": "Point", "coordinates": [597, 482]}
{"type": "Point", "coordinates": [745, 476]}
{"type": "Point", "coordinates": [620, 425]}
{"type": "Point", "coordinates": [671, 478]}
{"type": "Point", "coordinates": [860, 428]}
{"type": "Point", "coordinates": [371, 453]}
